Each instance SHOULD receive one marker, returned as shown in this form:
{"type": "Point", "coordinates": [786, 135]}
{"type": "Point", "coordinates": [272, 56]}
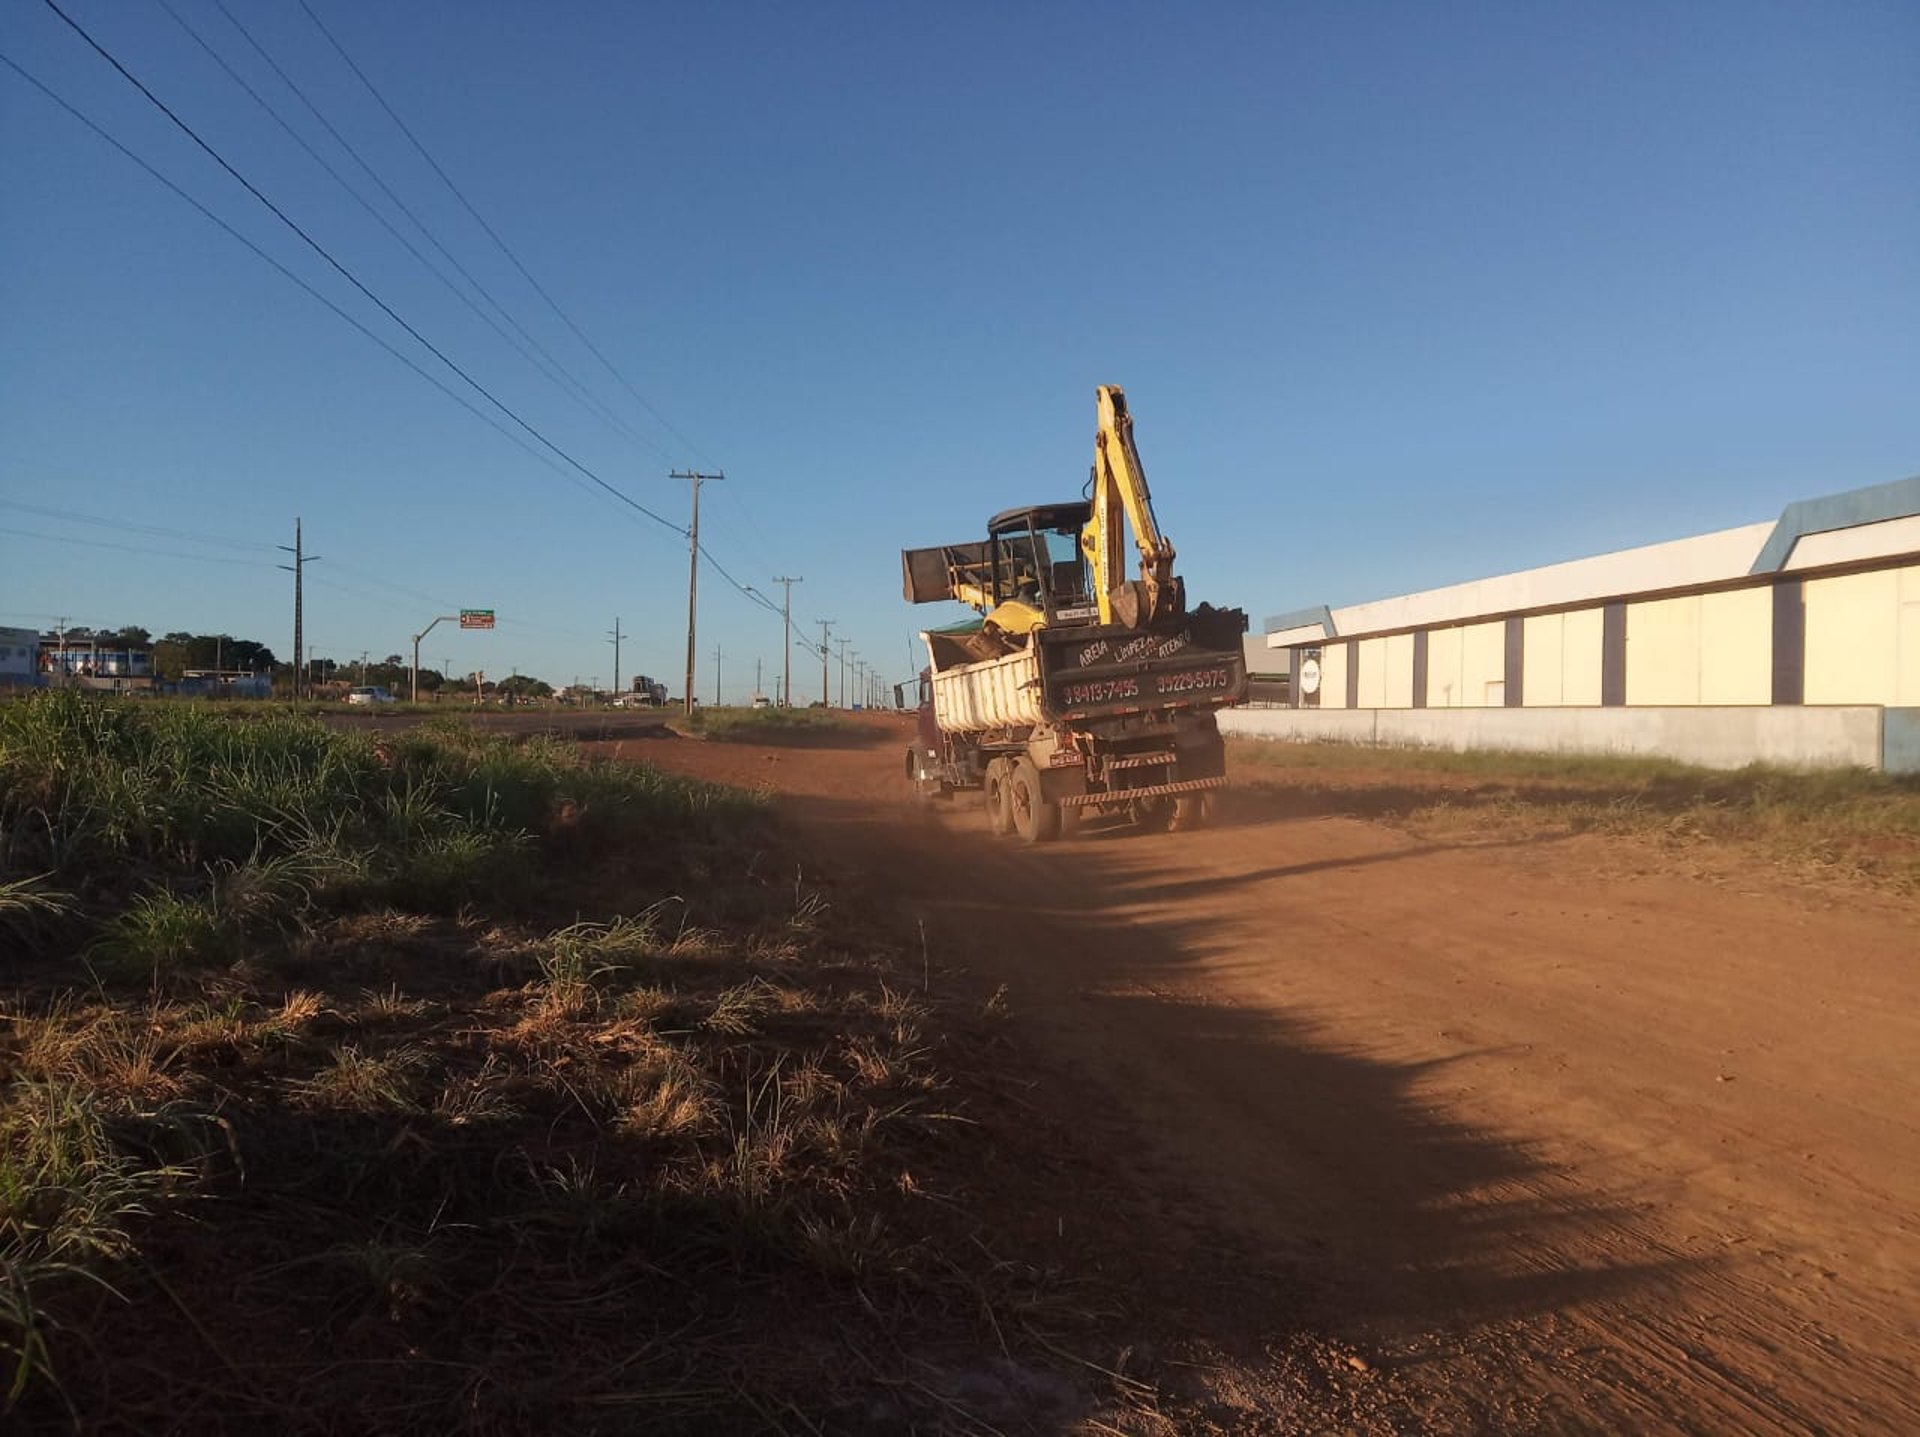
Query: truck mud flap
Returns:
{"type": "Point", "coordinates": [1127, 795]}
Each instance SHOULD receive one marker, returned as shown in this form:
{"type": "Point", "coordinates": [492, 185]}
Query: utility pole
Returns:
{"type": "Point", "coordinates": [824, 624]}
{"type": "Point", "coordinates": [616, 653]}
{"type": "Point", "coordinates": [298, 569]}
{"type": "Point", "coordinates": [860, 688]}
{"type": "Point", "coordinates": [843, 669]}
{"type": "Point", "coordinates": [716, 676]}
{"type": "Point", "coordinates": [693, 565]}
{"type": "Point", "coordinates": [756, 676]}
{"type": "Point", "coordinates": [786, 618]}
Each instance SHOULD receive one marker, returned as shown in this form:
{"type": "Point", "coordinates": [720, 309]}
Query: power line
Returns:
{"type": "Point", "coordinates": [526, 345]}
{"type": "Point", "coordinates": [133, 549]}
{"type": "Point", "coordinates": [288, 274]}
{"type": "Point", "coordinates": [344, 272]}
{"type": "Point", "coordinates": [478, 219]}
{"type": "Point", "coordinates": [124, 526]}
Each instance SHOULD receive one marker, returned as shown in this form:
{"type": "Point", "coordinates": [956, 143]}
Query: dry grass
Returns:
{"type": "Point", "coordinates": [1852, 825]}
{"type": "Point", "coordinates": [299, 1144]}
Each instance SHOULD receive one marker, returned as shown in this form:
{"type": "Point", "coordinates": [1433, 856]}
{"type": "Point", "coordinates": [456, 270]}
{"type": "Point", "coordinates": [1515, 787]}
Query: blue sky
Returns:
{"type": "Point", "coordinates": [1400, 295]}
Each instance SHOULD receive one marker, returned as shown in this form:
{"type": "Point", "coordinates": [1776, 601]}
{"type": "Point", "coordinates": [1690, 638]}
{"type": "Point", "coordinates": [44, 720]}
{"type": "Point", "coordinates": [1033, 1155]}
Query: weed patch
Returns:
{"type": "Point", "coordinates": [1850, 823]}
{"type": "Point", "coordinates": [412, 1080]}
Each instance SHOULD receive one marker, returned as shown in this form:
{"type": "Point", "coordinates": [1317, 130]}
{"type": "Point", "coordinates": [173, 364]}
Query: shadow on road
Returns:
{"type": "Point", "coordinates": [1353, 1182]}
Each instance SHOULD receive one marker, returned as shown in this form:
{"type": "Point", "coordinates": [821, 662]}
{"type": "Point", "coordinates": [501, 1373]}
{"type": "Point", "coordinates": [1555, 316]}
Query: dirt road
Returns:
{"type": "Point", "coordinates": [1560, 1141]}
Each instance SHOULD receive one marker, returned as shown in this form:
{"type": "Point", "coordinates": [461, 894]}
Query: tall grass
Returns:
{"type": "Point", "coordinates": [205, 822]}
{"type": "Point", "coordinates": [310, 1123]}
{"type": "Point", "coordinates": [771, 725]}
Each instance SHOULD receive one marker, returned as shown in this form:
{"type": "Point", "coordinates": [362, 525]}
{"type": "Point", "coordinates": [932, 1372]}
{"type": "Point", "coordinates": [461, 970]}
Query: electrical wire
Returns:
{"type": "Point", "coordinates": [132, 549]}
{"type": "Point", "coordinates": [346, 273]}
{"type": "Point", "coordinates": [527, 346]}
{"type": "Point", "coordinates": [288, 274]}
{"type": "Point", "coordinates": [478, 219]}
{"type": "Point", "coordinates": [125, 526]}
{"type": "Point", "coordinates": [752, 595]}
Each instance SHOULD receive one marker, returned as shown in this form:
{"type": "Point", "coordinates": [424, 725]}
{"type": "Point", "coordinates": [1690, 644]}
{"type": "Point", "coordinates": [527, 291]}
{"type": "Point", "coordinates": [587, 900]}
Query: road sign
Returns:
{"type": "Point", "coordinates": [476, 618]}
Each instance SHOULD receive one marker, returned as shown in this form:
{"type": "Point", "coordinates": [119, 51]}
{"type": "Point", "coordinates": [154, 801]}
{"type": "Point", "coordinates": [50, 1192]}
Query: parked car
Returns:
{"type": "Point", "coordinates": [761, 701]}
{"type": "Point", "coordinates": [371, 695]}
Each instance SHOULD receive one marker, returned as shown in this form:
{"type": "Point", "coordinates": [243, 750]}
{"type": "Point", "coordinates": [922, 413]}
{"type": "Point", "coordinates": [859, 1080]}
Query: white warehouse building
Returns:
{"type": "Point", "coordinates": [1794, 642]}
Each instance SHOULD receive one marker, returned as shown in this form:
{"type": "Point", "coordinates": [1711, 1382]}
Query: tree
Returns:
{"type": "Point", "coordinates": [178, 652]}
{"type": "Point", "coordinates": [525, 686]}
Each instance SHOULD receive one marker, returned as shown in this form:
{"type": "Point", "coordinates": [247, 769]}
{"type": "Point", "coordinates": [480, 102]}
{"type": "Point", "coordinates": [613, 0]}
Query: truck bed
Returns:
{"type": "Point", "coordinates": [1087, 672]}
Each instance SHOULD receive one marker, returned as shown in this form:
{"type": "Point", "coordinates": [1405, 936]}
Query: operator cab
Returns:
{"type": "Point", "coordinates": [1037, 561]}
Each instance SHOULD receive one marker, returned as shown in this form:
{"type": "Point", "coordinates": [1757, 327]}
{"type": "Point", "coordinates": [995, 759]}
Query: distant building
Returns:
{"type": "Point", "coordinates": [95, 663]}
{"type": "Point", "coordinates": [224, 684]}
{"type": "Point", "coordinates": [19, 658]}
{"type": "Point", "coordinates": [1794, 641]}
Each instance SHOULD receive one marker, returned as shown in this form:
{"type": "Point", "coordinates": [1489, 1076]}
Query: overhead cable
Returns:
{"type": "Point", "coordinates": [156, 530]}
{"type": "Point", "coordinates": [480, 220]}
{"type": "Point", "coordinates": [526, 344]}
{"type": "Point", "coordinates": [286, 273]}
{"type": "Point", "coordinates": [348, 274]}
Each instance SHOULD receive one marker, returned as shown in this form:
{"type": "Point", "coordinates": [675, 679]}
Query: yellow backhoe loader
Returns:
{"type": "Point", "coordinates": [1078, 689]}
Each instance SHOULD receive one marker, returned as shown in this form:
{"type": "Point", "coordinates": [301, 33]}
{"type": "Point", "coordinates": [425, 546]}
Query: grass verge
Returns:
{"type": "Point", "coordinates": [1851, 823]}
{"type": "Point", "coordinates": [429, 1082]}
{"type": "Point", "coordinates": [768, 725]}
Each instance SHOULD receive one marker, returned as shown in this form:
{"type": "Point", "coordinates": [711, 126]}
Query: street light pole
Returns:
{"type": "Point", "coordinates": [413, 693]}
{"type": "Point", "coordinates": [825, 624]}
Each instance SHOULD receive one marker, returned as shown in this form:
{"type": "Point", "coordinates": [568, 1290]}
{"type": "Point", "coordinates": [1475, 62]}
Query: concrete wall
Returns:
{"type": "Point", "coordinates": [1859, 736]}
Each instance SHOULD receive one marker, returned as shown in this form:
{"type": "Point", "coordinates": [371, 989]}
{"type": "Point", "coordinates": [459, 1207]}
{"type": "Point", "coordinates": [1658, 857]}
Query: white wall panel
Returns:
{"type": "Point", "coordinates": [1399, 672]}
{"type": "Point", "coordinates": [1736, 646]}
{"type": "Point", "coordinates": [1372, 658]}
{"type": "Point", "coordinates": [1580, 657]}
{"type": "Point", "coordinates": [1863, 638]}
{"type": "Point", "coordinates": [1483, 664]}
{"type": "Point", "coordinates": [1333, 676]}
{"type": "Point", "coordinates": [1443, 669]}
{"type": "Point", "coordinates": [1543, 644]}
{"type": "Point", "coordinates": [1663, 651]}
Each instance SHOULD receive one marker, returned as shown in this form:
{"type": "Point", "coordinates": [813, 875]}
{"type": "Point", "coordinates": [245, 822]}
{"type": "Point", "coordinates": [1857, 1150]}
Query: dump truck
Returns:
{"type": "Point", "coordinates": [1077, 690]}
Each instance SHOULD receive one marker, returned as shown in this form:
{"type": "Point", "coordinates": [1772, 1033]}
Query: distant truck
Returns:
{"type": "Point", "coordinates": [1079, 689]}
{"type": "Point", "coordinates": [647, 693]}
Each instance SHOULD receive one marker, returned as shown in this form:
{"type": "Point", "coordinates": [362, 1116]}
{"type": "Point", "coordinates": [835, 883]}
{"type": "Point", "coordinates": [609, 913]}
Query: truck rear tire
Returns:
{"type": "Point", "coordinates": [1034, 818]}
{"type": "Point", "coordinates": [1152, 815]}
{"type": "Point", "coordinates": [1189, 812]}
{"type": "Point", "coordinates": [994, 792]}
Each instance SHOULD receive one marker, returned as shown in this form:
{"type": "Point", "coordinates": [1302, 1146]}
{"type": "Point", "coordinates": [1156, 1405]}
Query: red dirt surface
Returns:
{"type": "Point", "coordinates": [1558, 1140]}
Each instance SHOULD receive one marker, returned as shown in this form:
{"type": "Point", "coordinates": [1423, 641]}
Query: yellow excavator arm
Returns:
{"type": "Point", "coordinates": [1121, 498]}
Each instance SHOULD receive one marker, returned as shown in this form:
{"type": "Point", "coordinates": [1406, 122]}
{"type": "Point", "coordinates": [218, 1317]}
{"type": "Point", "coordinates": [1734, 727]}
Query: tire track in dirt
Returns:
{"type": "Point", "coordinates": [1612, 1152]}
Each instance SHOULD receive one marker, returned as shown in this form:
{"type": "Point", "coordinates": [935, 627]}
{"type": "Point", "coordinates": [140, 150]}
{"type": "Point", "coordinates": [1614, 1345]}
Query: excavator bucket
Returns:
{"type": "Point", "coordinates": [931, 575]}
